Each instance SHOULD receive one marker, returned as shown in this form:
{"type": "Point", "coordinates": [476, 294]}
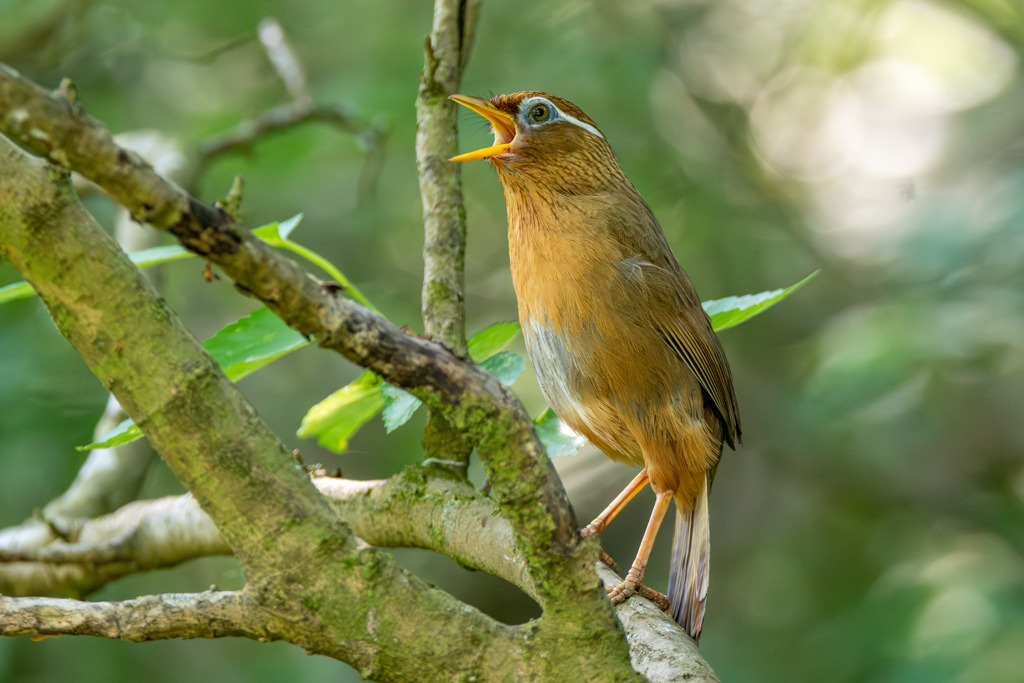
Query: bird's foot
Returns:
{"type": "Point", "coordinates": [622, 592]}
{"type": "Point", "coordinates": [627, 588]}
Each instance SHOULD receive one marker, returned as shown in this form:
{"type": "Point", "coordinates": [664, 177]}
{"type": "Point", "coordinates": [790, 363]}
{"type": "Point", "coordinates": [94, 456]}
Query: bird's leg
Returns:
{"type": "Point", "coordinates": [615, 507]}
{"type": "Point", "coordinates": [625, 589]}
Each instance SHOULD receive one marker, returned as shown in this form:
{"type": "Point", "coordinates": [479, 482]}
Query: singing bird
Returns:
{"type": "Point", "coordinates": [623, 350]}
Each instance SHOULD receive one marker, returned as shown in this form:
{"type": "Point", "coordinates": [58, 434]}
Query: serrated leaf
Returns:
{"type": "Point", "coordinates": [733, 310]}
{"type": "Point", "coordinates": [399, 406]}
{"type": "Point", "coordinates": [490, 340]}
{"type": "Point", "coordinates": [251, 342]}
{"type": "Point", "coordinates": [506, 366]}
{"type": "Point", "coordinates": [126, 432]}
{"type": "Point", "coordinates": [336, 418]}
{"type": "Point", "coordinates": [558, 439]}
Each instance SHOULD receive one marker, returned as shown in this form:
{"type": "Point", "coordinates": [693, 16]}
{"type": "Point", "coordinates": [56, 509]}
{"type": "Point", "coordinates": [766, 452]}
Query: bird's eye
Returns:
{"type": "Point", "coordinates": [539, 113]}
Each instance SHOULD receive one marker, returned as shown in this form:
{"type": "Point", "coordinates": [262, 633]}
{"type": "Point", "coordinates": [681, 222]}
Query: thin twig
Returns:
{"type": "Point", "coordinates": [299, 111]}
{"type": "Point", "coordinates": [444, 217]}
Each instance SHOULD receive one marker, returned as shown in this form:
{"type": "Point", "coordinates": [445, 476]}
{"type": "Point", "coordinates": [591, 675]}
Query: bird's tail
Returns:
{"type": "Point", "coordinates": [688, 576]}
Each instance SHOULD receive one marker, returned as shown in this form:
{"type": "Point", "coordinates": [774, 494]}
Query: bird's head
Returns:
{"type": "Point", "coordinates": [540, 138]}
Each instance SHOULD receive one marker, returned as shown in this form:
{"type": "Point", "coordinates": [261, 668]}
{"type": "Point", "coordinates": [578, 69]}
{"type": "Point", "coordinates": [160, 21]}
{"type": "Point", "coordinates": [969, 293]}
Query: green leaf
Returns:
{"type": "Point", "coordinates": [335, 419]}
{"type": "Point", "coordinates": [399, 407]}
{"type": "Point", "coordinates": [345, 417]}
{"type": "Point", "coordinates": [558, 439]}
{"type": "Point", "coordinates": [15, 291]}
{"type": "Point", "coordinates": [248, 344]}
{"type": "Point", "coordinates": [275, 234]}
{"type": "Point", "coordinates": [506, 366]}
{"type": "Point", "coordinates": [126, 432]}
{"type": "Point", "coordinates": [733, 310]}
{"type": "Point", "coordinates": [155, 256]}
{"type": "Point", "coordinates": [284, 228]}
{"type": "Point", "coordinates": [143, 259]}
{"type": "Point", "coordinates": [490, 340]}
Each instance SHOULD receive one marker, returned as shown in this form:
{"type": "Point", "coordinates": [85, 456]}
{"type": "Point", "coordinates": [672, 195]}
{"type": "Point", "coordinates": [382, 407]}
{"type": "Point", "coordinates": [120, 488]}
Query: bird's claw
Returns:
{"type": "Point", "coordinates": [622, 592]}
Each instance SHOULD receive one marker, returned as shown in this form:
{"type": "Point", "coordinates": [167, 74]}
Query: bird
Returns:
{"type": "Point", "coordinates": [623, 351]}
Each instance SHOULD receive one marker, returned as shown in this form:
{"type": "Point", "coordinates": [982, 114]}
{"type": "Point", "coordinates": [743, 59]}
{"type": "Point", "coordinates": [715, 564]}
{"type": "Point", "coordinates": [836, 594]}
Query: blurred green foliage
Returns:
{"type": "Point", "coordinates": [872, 527]}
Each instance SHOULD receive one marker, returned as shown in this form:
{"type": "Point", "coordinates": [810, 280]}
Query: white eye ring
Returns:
{"type": "Point", "coordinates": [554, 114]}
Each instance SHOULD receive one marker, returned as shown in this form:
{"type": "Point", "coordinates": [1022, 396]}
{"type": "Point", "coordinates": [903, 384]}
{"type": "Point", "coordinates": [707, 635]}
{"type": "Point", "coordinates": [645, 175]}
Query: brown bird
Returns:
{"type": "Point", "coordinates": [623, 350]}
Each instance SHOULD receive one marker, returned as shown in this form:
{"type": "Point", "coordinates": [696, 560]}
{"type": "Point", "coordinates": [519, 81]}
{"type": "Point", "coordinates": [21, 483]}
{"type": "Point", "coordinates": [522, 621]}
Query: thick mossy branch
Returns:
{"type": "Point", "coordinates": [449, 516]}
{"type": "Point", "coordinates": [522, 478]}
{"type": "Point", "coordinates": [312, 585]}
{"type": "Point", "coordinates": [193, 415]}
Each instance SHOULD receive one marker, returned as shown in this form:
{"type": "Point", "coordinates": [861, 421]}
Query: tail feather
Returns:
{"type": "Point", "coordinates": [688, 576]}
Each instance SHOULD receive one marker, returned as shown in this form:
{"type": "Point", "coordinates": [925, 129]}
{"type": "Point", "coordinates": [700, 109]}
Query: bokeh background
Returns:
{"type": "Point", "coordinates": [871, 528]}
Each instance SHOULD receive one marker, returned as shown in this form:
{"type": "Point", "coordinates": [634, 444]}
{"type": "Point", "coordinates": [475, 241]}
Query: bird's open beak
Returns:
{"type": "Point", "coordinates": [503, 125]}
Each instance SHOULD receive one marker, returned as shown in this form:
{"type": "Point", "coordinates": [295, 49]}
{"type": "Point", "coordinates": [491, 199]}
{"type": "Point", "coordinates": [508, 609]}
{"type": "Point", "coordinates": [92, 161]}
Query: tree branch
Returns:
{"type": "Point", "coordinates": [212, 614]}
{"type": "Point", "coordinates": [243, 136]}
{"type": "Point", "coordinates": [450, 516]}
{"type": "Point", "coordinates": [522, 478]}
{"type": "Point", "coordinates": [447, 516]}
{"type": "Point", "coordinates": [140, 536]}
{"type": "Point", "coordinates": [367, 611]}
{"type": "Point", "coordinates": [444, 217]}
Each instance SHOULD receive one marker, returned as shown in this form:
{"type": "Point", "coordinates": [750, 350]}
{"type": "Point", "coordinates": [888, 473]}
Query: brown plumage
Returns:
{"type": "Point", "coordinates": [623, 350]}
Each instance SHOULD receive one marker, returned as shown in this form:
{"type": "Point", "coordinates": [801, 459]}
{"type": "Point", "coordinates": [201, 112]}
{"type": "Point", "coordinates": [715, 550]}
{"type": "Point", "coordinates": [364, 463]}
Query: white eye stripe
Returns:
{"type": "Point", "coordinates": [559, 114]}
{"type": "Point", "coordinates": [582, 124]}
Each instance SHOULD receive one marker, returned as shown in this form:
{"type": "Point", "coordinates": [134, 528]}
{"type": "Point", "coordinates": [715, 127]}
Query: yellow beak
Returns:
{"type": "Point", "coordinates": [503, 125]}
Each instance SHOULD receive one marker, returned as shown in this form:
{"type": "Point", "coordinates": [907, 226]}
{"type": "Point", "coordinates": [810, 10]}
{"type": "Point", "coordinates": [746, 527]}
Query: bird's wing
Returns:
{"type": "Point", "coordinates": [687, 330]}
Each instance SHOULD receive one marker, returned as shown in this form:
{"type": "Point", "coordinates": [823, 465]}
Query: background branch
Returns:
{"type": "Point", "coordinates": [300, 110]}
{"type": "Point", "coordinates": [140, 536]}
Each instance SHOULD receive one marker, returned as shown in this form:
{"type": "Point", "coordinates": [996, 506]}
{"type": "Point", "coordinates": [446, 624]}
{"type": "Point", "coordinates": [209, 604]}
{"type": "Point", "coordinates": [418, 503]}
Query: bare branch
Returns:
{"type": "Point", "coordinates": [444, 515]}
{"type": "Point", "coordinates": [658, 648]}
{"type": "Point", "coordinates": [299, 111]}
{"type": "Point", "coordinates": [140, 536]}
{"type": "Point", "coordinates": [444, 217]}
{"type": "Point", "coordinates": [282, 56]}
{"type": "Point", "coordinates": [212, 614]}
{"type": "Point", "coordinates": [242, 137]}
{"type": "Point", "coordinates": [146, 533]}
